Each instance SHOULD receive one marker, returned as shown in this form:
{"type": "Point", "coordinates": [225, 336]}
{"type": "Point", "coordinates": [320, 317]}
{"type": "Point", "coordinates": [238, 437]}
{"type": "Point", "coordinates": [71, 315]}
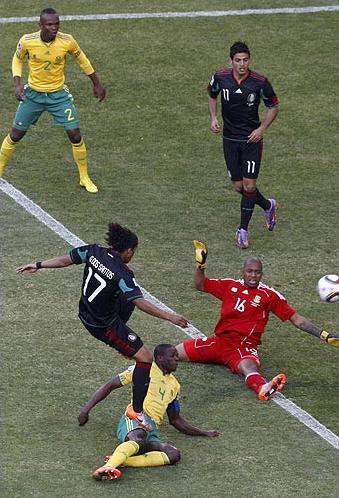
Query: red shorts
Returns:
{"type": "Point", "coordinates": [216, 349]}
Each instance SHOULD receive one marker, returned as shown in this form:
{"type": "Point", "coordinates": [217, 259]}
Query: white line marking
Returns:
{"type": "Point", "coordinates": [162, 15]}
{"type": "Point", "coordinates": [41, 215]}
{"type": "Point", "coordinates": [307, 419]}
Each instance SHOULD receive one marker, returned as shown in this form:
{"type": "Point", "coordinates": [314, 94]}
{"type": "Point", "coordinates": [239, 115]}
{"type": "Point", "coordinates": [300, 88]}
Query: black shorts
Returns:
{"type": "Point", "coordinates": [242, 159]}
{"type": "Point", "coordinates": [118, 336]}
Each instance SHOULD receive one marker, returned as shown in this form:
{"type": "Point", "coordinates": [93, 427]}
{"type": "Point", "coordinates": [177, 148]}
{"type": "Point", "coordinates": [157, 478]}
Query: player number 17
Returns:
{"type": "Point", "coordinates": [102, 284]}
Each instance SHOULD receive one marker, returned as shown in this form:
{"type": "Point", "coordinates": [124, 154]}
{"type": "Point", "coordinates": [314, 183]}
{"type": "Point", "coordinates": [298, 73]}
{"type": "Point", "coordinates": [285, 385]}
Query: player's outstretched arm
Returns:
{"type": "Point", "coordinates": [185, 427]}
{"type": "Point", "coordinates": [98, 396]}
{"type": "Point", "coordinates": [149, 308]}
{"type": "Point", "coordinates": [303, 324]}
{"type": "Point", "coordinates": [57, 262]}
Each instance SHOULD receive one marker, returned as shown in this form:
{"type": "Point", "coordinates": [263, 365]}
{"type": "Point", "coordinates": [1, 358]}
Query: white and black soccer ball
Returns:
{"type": "Point", "coordinates": [328, 288]}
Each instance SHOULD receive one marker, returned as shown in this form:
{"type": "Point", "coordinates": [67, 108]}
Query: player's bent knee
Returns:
{"type": "Point", "coordinates": [238, 188]}
{"type": "Point", "coordinates": [16, 135]}
{"type": "Point", "coordinates": [173, 454]}
{"type": "Point", "coordinates": [138, 436]}
{"type": "Point", "coordinates": [181, 352]}
{"type": "Point", "coordinates": [249, 190]}
{"type": "Point", "coordinates": [74, 135]}
{"type": "Point", "coordinates": [144, 355]}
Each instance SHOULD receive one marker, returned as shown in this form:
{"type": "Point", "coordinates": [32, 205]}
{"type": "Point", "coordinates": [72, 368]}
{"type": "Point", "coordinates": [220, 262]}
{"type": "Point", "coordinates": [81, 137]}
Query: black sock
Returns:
{"type": "Point", "coordinates": [262, 201]}
{"type": "Point", "coordinates": [140, 384]}
{"type": "Point", "coordinates": [247, 207]}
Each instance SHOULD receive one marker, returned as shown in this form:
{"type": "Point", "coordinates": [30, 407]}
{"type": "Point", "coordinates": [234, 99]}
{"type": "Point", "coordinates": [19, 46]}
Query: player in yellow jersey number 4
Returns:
{"type": "Point", "coordinates": [46, 51]}
{"type": "Point", "coordinates": [137, 447]}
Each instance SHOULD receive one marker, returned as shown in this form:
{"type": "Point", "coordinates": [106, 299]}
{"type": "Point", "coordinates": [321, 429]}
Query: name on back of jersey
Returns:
{"type": "Point", "coordinates": [101, 268]}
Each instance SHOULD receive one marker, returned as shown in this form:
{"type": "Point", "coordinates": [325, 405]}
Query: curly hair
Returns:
{"type": "Point", "coordinates": [120, 238]}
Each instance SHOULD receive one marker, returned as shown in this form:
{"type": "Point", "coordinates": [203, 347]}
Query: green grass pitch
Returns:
{"type": "Point", "coordinates": [161, 172]}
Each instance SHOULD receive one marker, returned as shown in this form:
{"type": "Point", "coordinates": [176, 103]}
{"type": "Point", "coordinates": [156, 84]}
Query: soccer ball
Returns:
{"type": "Point", "coordinates": [328, 288]}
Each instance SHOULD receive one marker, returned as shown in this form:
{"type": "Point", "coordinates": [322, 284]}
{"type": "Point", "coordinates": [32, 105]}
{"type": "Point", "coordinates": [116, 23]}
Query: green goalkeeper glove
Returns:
{"type": "Point", "coordinates": [333, 341]}
{"type": "Point", "coordinates": [201, 252]}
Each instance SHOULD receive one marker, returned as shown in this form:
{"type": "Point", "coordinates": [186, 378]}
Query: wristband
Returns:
{"type": "Point", "coordinates": [38, 265]}
{"type": "Point", "coordinates": [324, 335]}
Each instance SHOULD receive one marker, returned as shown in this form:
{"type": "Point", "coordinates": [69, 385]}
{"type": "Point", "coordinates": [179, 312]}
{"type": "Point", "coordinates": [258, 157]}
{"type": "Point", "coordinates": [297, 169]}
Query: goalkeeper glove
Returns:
{"type": "Point", "coordinates": [201, 252]}
{"type": "Point", "coordinates": [333, 341]}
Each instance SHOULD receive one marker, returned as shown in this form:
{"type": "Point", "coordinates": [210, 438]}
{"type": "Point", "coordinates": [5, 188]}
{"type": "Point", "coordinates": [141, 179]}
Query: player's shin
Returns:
{"type": "Point", "coordinates": [247, 207]}
{"type": "Point", "coordinates": [6, 152]}
{"type": "Point", "coordinates": [122, 453]}
{"type": "Point", "coordinates": [150, 459]}
{"type": "Point", "coordinates": [140, 384]}
{"type": "Point", "coordinates": [80, 158]}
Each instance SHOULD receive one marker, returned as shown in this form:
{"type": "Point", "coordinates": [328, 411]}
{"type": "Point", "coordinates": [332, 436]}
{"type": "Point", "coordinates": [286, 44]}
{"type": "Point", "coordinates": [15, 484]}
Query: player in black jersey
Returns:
{"type": "Point", "coordinates": [241, 91]}
{"type": "Point", "coordinates": [109, 294]}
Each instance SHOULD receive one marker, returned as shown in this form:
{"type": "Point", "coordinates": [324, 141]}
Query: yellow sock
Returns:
{"type": "Point", "coordinates": [6, 151]}
{"type": "Point", "coordinates": [122, 452]}
{"type": "Point", "coordinates": [80, 157]}
{"type": "Point", "coordinates": [150, 459]}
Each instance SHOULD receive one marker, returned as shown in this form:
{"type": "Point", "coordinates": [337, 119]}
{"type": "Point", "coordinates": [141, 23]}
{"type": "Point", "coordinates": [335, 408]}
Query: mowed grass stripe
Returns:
{"type": "Point", "coordinates": [32, 208]}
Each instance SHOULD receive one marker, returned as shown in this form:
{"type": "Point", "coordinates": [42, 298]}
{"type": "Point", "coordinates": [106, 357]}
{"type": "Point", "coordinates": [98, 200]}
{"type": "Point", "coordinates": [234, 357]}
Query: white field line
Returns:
{"type": "Point", "coordinates": [162, 15]}
{"type": "Point", "coordinates": [41, 215]}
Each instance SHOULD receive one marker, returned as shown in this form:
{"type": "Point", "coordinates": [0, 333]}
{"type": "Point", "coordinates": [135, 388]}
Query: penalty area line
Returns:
{"type": "Point", "coordinates": [30, 207]}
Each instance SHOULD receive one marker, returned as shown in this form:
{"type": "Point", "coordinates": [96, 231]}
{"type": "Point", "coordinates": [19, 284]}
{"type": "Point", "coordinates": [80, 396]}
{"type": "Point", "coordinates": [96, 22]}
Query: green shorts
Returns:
{"type": "Point", "coordinates": [59, 104]}
{"type": "Point", "coordinates": [127, 425]}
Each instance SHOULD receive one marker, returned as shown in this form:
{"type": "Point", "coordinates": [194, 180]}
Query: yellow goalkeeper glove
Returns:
{"type": "Point", "coordinates": [333, 341]}
{"type": "Point", "coordinates": [201, 252]}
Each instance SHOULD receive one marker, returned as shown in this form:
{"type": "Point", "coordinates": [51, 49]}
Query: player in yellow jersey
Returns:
{"type": "Point", "coordinates": [139, 448]}
{"type": "Point", "coordinates": [46, 52]}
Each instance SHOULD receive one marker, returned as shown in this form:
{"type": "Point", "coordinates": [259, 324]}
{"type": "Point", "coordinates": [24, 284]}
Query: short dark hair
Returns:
{"type": "Point", "coordinates": [239, 47]}
{"type": "Point", "coordinates": [47, 11]}
{"type": "Point", "coordinates": [252, 259]}
{"type": "Point", "coordinates": [161, 349]}
{"type": "Point", "coordinates": [120, 238]}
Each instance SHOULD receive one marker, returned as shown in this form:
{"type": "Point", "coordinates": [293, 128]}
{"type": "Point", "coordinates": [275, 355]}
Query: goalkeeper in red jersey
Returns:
{"type": "Point", "coordinates": [246, 305]}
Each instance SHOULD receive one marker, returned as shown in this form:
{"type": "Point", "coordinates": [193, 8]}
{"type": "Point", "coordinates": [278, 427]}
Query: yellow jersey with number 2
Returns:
{"type": "Point", "coordinates": [46, 61]}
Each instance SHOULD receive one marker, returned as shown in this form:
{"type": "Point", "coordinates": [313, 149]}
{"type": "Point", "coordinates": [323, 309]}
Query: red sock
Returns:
{"type": "Point", "coordinates": [254, 381]}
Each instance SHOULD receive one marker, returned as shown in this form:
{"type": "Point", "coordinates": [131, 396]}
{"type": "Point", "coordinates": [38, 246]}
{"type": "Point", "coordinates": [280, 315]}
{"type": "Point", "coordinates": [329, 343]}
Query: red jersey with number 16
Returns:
{"type": "Point", "coordinates": [245, 310]}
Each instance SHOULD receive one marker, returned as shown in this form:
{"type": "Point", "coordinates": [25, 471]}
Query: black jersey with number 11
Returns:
{"type": "Point", "coordinates": [240, 101]}
{"type": "Point", "coordinates": [105, 278]}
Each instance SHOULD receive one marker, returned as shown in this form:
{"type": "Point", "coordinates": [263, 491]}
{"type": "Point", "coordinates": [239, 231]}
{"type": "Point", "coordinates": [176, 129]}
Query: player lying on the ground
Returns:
{"type": "Point", "coordinates": [239, 330]}
{"type": "Point", "coordinates": [139, 448]}
{"type": "Point", "coordinates": [246, 305]}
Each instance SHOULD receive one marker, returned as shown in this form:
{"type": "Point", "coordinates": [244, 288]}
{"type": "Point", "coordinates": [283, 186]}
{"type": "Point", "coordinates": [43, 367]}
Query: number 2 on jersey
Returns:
{"type": "Point", "coordinates": [102, 284]}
